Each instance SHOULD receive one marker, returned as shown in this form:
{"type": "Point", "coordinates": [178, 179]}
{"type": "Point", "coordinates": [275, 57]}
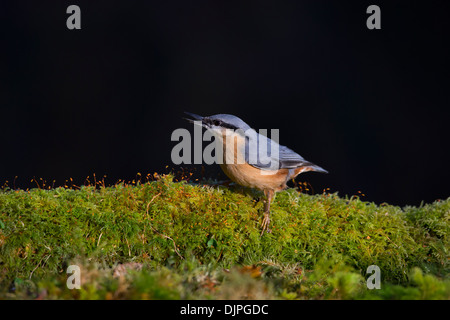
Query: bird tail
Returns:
{"type": "Point", "coordinates": [308, 166]}
{"type": "Point", "coordinates": [316, 168]}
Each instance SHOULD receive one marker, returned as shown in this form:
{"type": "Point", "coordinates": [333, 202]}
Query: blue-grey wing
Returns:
{"type": "Point", "coordinates": [274, 156]}
{"type": "Point", "coordinates": [264, 153]}
{"type": "Point", "coordinates": [290, 159]}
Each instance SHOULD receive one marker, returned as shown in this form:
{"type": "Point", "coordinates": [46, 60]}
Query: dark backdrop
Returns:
{"type": "Point", "coordinates": [370, 106]}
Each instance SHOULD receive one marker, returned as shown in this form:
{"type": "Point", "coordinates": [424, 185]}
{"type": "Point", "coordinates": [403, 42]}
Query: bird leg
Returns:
{"type": "Point", "coordinates": [266, 219]}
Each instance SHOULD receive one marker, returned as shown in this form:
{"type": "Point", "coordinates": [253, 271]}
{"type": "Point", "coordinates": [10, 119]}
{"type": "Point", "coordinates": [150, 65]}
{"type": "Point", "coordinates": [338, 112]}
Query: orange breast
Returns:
{"type": "Point", "coordinates": [236, 169]}
{"type": "Point", "coordinates": [249, 176]}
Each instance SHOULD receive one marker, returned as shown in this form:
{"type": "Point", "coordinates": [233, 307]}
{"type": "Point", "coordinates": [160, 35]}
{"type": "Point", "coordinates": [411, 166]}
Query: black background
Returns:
{"type": "Point", "coordinates": [370, 106]}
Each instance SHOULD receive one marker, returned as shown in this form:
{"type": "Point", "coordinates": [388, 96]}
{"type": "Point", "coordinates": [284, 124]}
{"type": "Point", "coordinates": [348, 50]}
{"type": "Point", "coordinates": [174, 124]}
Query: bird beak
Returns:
{"type": "Point", "coordinates": [196, 119]}
{"type": "Point", "coordinates": [193, 115]}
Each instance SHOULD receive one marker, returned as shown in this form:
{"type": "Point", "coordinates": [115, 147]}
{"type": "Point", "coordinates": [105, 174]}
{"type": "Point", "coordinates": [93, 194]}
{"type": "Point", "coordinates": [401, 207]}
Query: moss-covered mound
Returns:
{"type": "Point", "coordinates": [175, 240]}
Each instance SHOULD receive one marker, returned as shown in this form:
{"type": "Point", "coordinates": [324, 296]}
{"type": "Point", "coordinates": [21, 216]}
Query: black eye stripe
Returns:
{"type": "Point", "coordinates": [220, 123]}
{"type": "Point", "coordinates": [228, 126]}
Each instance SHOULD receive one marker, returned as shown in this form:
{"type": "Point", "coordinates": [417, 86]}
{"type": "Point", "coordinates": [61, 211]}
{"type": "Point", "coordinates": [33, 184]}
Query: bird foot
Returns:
{"type": "Point", "coordinates": [265, 223]}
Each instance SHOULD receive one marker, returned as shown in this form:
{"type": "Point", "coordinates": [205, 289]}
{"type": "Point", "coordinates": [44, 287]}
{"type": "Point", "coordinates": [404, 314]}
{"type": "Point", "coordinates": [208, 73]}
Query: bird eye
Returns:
{"type": "Point", "coordinates": [217, 122]}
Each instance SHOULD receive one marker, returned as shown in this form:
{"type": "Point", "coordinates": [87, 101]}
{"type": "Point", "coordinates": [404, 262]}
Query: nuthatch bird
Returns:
{"type": "Point", "coordinates": [253, 160]}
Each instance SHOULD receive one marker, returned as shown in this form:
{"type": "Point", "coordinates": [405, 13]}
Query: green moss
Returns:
{"type": "Point", "coordinates": [164, 224]}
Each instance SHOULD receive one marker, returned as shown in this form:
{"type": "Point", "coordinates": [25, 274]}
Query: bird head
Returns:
{"type": "Point", "coordinates": [218, 122]}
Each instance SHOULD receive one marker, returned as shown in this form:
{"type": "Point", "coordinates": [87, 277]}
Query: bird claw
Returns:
{"type": "Point", "coordinates": [265, 224]}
